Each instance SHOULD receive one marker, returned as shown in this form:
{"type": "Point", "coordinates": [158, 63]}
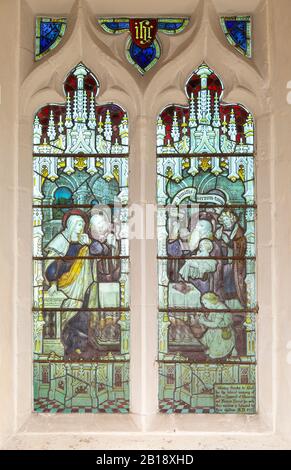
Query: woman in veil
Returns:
{"type": "Point", "coordinates": [68, 270]}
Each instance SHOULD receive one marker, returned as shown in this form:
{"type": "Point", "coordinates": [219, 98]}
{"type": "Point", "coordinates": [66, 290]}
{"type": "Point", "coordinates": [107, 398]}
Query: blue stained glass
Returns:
{"type": "Point", "coordinates": [80, 322]}
{"type": "Point", "coordinates": [238, 32]}
{"type": "Point", "coordinates": [143, 56]}
{"type": "Point", "coordinates": [48, 34]}
{"type": "Point", "coordinates": [117, 26]}
{"type": "Point", "coordinates": [206, 280]}
{"type": "Point", "coordinates": [170, 26]}
{"type": "Point", "coordinates": [63, 195]}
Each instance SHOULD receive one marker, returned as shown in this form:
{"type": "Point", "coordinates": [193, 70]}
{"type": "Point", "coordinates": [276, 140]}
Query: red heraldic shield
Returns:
{"type": "Point", "coordinates": [143, 31]}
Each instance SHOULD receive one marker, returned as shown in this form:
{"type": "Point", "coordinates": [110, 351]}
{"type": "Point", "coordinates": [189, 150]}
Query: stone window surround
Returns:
{"type": "Point", "coordinates": [258, 84]}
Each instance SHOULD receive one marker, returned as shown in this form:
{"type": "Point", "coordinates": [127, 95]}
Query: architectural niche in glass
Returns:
{"type": "Point", "coordinates": [206, 252]}
{"type": "Point", "coordinates": [80, 252]}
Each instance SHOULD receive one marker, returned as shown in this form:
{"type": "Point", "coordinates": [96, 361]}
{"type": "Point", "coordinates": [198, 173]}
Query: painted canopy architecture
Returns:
{"type": "Point", "coordinates": [206, 252]}
{"type": "Point", "coordinates": [80, 252]}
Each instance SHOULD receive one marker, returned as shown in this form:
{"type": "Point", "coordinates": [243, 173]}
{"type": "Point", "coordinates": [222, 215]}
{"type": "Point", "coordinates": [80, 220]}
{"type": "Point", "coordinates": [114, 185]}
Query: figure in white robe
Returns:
{"type": "Point", "coordinates": [71, 276]}
{"type": "Point", "coordinates": [219, 338]}
{"type": "Point", "coordinates": [197, 268]}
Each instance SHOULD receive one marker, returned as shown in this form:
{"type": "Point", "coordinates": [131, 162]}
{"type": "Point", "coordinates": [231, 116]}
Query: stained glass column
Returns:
{"type": "Point", "coordinates": [206, 252]}
{"type": "Point", "coordinates": [81, 252]}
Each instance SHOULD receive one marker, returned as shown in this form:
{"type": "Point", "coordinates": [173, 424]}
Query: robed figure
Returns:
{"type": "Point", "coordinates": [68, 270]}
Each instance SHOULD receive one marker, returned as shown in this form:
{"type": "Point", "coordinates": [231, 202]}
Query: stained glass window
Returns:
{"type": "Point", "coordinates": [143, 48]}
{"type": "Point", "coordinates": [80, 252]}
{"type": "Point", "coordinates": [237, 30]}
{"type": "Point", "coordinates": [206, 252]}
{"type": "Point", "coordinates": [48, 34]}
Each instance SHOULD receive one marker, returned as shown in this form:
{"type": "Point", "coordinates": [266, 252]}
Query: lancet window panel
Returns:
{"type": "Point", "coordinates": [206, 252]}
{"type": "Point", "coordinates": [81, 252]}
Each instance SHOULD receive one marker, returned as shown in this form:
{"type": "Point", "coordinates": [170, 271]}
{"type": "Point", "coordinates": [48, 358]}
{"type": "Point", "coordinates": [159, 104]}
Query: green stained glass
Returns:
{"type": "Point", "coordinates": [206, 252]}
{"type": "Point", "coordinates": [80, 309]}
{"type": "Point", "coordinates": [220, 180]}
{"type": "Point", "coordinates": [207, 388]}
{"type": "Point", "coordinates": [199, 337]}
{"type": "Point", "coordinates": [67, 387]}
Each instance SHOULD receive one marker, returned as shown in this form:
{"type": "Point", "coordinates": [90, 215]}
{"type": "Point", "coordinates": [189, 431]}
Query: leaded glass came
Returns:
{"type": "Point", "coordinates": [80, 252]}
{"type": "Point", "coordinates": [206, 252]}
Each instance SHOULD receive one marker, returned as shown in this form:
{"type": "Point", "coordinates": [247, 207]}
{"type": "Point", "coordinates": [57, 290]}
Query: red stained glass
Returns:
{"type": "Point", "coordinates": [206, 252]}
{"type": "Point", "coordinates": [213, 84]}
{"type": "Point", "coordinates": [206, 111]}
{"type": "Point", "coordinates": [54, 115]}
{"type": "Point", "coordinates": [90, 84]}
{"type": "Point", "coordinates": [80, 289]}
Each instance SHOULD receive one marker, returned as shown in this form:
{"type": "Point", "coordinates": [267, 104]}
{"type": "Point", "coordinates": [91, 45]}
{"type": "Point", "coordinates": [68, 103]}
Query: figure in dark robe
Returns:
{"type": "Point", "coordinates": [67, 270]}
{"type": "Point", "coordinates": [186, 243]}
{"type": "Point", "coordinates": [233, 243]}
{"type": "Point", "coordinates": [106, 269]}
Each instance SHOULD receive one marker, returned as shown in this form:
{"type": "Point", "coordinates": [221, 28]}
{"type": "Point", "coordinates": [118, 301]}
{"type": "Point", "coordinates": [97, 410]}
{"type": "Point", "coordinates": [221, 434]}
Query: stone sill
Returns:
{"type": "Point", "coordinates": [147, 432]}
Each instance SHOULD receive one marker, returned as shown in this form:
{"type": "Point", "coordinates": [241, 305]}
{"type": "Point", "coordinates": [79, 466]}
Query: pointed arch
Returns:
{"type": "Point", "coordinates": [206, 253]}
{"type": "Point", "coordinates": [80, 278]}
